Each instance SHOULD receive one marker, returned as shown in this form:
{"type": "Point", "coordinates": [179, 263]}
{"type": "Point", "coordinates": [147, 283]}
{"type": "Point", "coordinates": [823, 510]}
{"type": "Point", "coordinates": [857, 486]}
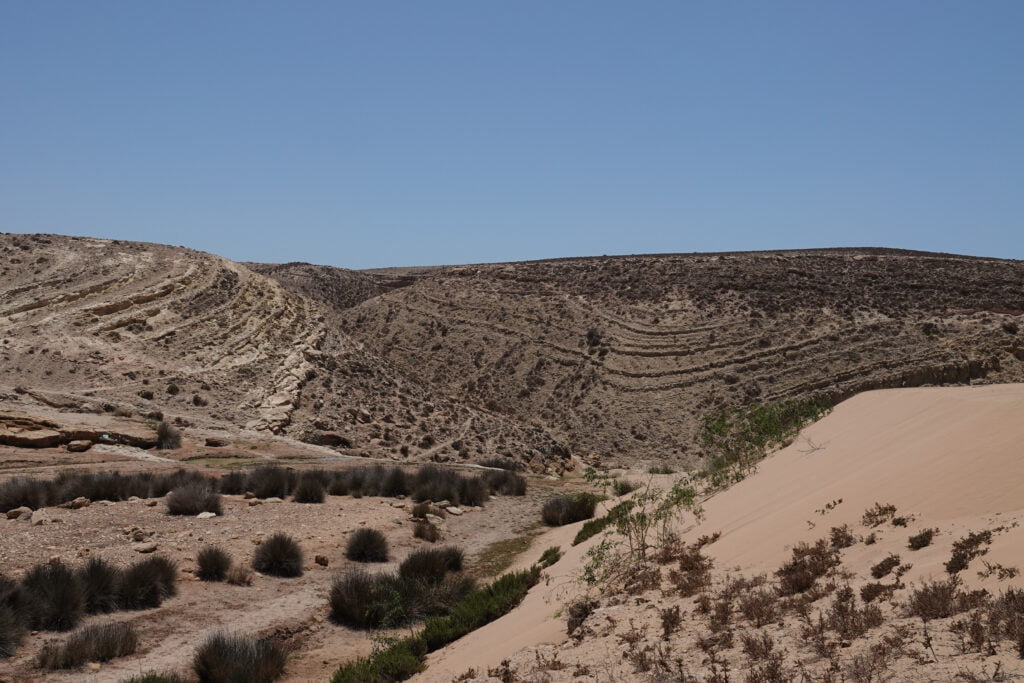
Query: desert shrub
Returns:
{"type": "Point", "coordinates": [872, 591]}
{"type": "Point", "coordinates": [473, 491]}
{"type": "Point", "coordinates": [884, 567]}
{"type": "Point", "coordinates": [426, 531]}
{"type": "Point", "coordinates": [660, 469]}
{"type": "Point", "coordinates": [191, 499]}
{"type": "Point", "coordinates": [757, 646]}
{"type": "Point", "coordinates": [921, 540]}
{"type": "Point", "coordinates": [576, 614]}
{"type": "Point", "coordinates": [693, 573]}
{"type": "Point", "coordinates": [52, 597]}
{"type": "Point", "coordinates": [270, 481]}
{"type": "Point", "coordinates": [12, 631]}
{"type": "Point", "coordinates": [367, 545]}
{"type": "Point", "coordinates": [942, 599]}
{"type": "Point", "coordinates": [974, 544]}
{"type": "Point", "coordinates": [621, 487]}
{"type": "Point", "coordinates": [505, 482]}
{"type": "Point", "coordinates": [232, 483]}
{"type": "Point", "coordinates": [431, 564]}
{"type": "Point", "coordinates": [841, 537]}
{"type": "Point", "coordinates": [845, 618]}
{"type": "Point", "coordinates": [212, 564]}
{"type": "Point", "coordinates": [478, 608]}
{"type": "Point", "coordinates": [394, 483]}
{"type": "Point", "coordinates": [101, 586]}
{"type": "Point", "coordinates": [760, 607]}
{"type": "Point", "coordinates": [362, 600]}
{"type": "Point", "coordinates": [434, 483]}
{"type": "Point", "coordinates": [309, 489]}
{"type": "Point", "coordinates": [168, 437]}
{"type": "Point", "coordinates": [278, 555]}
{"type": "Point", "coordinates": [1005, 618]}
{"type": "Point", "coordinates": [562, 510]}
{"type": "Point", "coordinates": [232, 658]}
{"type": "Point", "coordinates": [421, 510]}
{"type": "Point", "coordinates": [154, 677]}
{"type": "Point", "coordinates": [593, 527]}
{"type": "Point", "coordinates": [878, 514]}
{"type": "Point", "coordinates": [808, 564]}
{"type": "Point", "coordinates": [25, 492]}
{"type": "Point", "coordinates": [239, 575]}
{"type": "Point", "coordinates": [148, 583]}
{"type": "Point", "coordinates": [549, 557]}
{"type": "Point", "coordinates": [397, 662]}
{"type": "Point", "coordinates": [93, 643]}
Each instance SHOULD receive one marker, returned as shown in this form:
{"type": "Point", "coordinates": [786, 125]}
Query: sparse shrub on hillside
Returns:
{"type": "Point", "coordinates": [592, 528]}
{"type": "Point", "coordinates": [168, 437]}
{"type": "Point", "coordinates": [873, 591]}
{"type": "Point", "coordinates": [847, 619]}
{"type": "Point", "coordinates": [562, 510]}
{"type": "Point", "coordinates": [231, 658]}
{"type": "Point", "coordinates": [841, 537]}
{"type": "Point", "coordinates": [270, 481]}
{"type": "Point", "coordinates": [278, 555]}
{"type": "Point", "coordinates": [93, 643]}
{"type": "Point", "coordinates": [942, 599]}
{"type": "Point", "coordinates": [660, 469]}
{"type": "Point", "coordinates": [426, 531]}
{"type": "Point", "coordinates": [878, 515]}
{"type": "Point", "coordinates": [974, 544]}
{"type": "Point", "coordinates": [921, 540]}
{"type": "Point", "coordinates": [502, 463]}
{"type": "Point", "coordinates": [434, 483]}
{"type": "Point", "coordinates": [577, 614]}
{"type": "Point", "coordinates": [884, 567]}
{"type": "Point", "coordinates": [53, 598]}
{"type": "Point", "coordinates": [549, 557]}
{"type": "Point", "coordinates": [101, 586]}
{"type": "Point", "coordinates": [808, 564]}
{"type": "Point", "coordinates": [367, 545]}
{"type": "Point", "coordinates": [191, 499]}
{"type": "Point", "coordinates": [309, 489]}
{"type": "Point", "coordinates": [212, 564]}
{"type": "Point", "coordinates": [760, 607]}
{"type": "Point", "coordinates": [693, 573]}
{"type": "Point", "coordinates": [148, 583]}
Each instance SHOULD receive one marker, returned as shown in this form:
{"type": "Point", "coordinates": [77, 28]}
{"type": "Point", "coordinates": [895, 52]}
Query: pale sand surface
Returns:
{"type": "Point", "coordinates": [952, 458]}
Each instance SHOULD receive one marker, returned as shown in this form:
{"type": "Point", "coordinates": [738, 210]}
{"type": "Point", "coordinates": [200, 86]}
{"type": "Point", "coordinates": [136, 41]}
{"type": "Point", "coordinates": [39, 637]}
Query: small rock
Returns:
{"type": "Point", "coordinates": [93, 666]}
{"type": "Point", "coordinates": [206, 515]}
{"type": "Point", "coordinates": [77, 503]}
{"type": "Point", "coordinates": [145, 547]}
{"type": "Point", "coordinates": [248, 495]}
{"type": "Point", "coordinates": [18, 512]}
{"type": "Point", "coordinates": [399, 505]}
{"type": "Point", "coordinates": [105, 502]}
{"type": "Point", "coordinates": [40, 517]}
{"type": "Point", "coordinates": [24, 516]}
{"type": "Point", "coordinates": [443, 503]}
{"type": "Point", "coordinates": [274, 499]}
{"type": "Point", "coordinates": [214, 442]}
{"type": "Point", "coordinates": [134, 499]}
{"type": "Point", "coordinates": [321, 560]}
{"type": "Point", "coordinates": [434, 519]}
{"type": "Point", "coordinates": [79, 445]}
{"type": "Point", "coordinates": [254, 502]}
{"type": "Point", "coordinates": [454, 510]}
{"type": "Point", "coordinates": [138, 535]}
{"type": "Point", "coordinates": [151, 503]}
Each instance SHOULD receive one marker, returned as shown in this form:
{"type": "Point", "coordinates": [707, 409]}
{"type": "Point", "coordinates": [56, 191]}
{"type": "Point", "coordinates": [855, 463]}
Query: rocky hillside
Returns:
{"type": "Point", "coordinates": [127, 329]}
{"type": "Point", "coordinates": [620, 357]}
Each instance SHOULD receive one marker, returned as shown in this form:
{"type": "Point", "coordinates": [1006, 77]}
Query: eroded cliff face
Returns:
{"type": "Point", "coordinates": [621, 357]}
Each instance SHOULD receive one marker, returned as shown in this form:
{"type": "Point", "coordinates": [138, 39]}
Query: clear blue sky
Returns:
{"type": "Point", "coordinates": [394, 133]}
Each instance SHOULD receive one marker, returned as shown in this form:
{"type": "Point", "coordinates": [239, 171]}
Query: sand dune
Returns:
{"type": "Point", "coordinates": [950, 458]}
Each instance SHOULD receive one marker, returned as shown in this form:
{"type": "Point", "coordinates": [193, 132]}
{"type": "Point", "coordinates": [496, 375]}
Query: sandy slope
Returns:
{"type": "Point", "coordinates": [950, 457]}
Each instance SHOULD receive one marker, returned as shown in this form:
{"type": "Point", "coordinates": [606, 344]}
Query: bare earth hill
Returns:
{"type": "Point", "coordinates": [97, 327]}
{"type": "Point", "coordinates": [620, 357]}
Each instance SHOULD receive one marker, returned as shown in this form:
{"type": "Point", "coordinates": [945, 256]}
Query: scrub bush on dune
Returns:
{"type": "Point", "coordinates": [431, 564]}
{"type": "Point", "coordinates": [278, 555]}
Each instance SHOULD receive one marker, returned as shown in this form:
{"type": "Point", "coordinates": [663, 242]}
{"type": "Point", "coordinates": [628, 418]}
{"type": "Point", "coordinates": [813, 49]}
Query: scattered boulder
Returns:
{"type": "Point", "coordinates": [16, 513]}
{"type": "Point", "coordinates": [453, 510]}
{"type": "Point", "coordinates": [79, 445]}
{"type": "Point", "coordinates": [40, 517]}
{"type": "Point", "coordinates": [77, 503]}
{"type": "Point", "coordinates": [253, 502]}
{"type": "Point", "coordinates": [145, 548]}
{"type": "Point", "coordinates": [273, 499]}
{"type": "Point", "coordinates": [215, 442]}
{"type": "Point", "coordinates": [206, 515]}
{"type": "Point", "coordinates": [434, 519]}
{"type": "Point", "coordinates": [321, 560]}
